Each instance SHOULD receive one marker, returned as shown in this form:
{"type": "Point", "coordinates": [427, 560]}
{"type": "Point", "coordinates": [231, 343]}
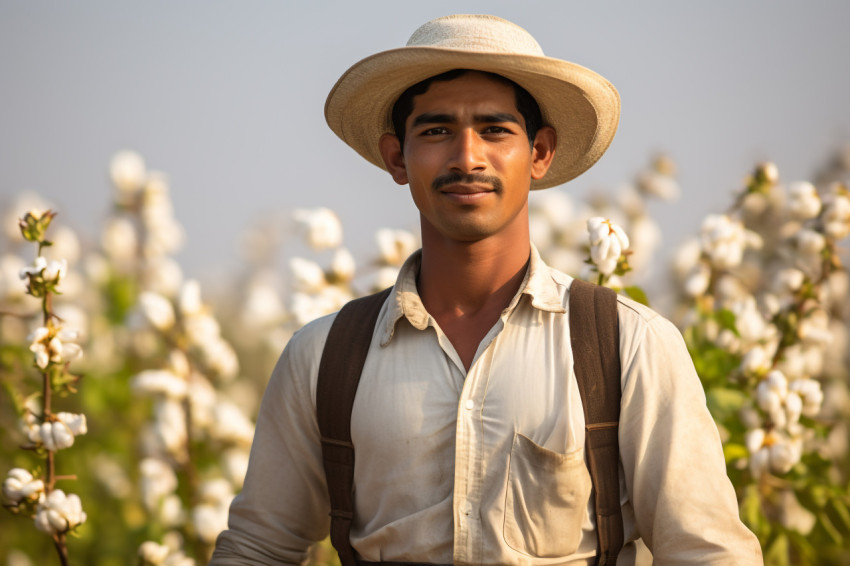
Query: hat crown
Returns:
{"type": "Point", "coordinates": [472, 32]}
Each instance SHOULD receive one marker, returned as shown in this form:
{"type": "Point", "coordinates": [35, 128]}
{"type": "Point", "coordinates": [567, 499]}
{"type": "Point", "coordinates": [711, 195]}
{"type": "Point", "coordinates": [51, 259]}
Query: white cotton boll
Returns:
{"type": "Point", "coordinates": [59, 513]}
{"type": "Point", "coordinates": [759, 462]}
{"type": "Point", "coordinates": [20, 484]}
{"type": "Point", "coordinates": [157, 310]}
{"type": "Point", "coordinates": [754, 440]}
{"type": "Point", "coordinates": [836, 216]}
{"type": "Point", "coordinates": [324, 230]}
{"type": "Point", "coordinates": [202, 397]}
{"type": "Point", "coordinates": [75, 422]}
{"type": "Point", "coordinates": [170, 426]}
{"type": "Point", "coordinates": [307, 276]}
{"type": "Point", "coordinates": [215, 491]}
{"type": "Point", "coordinates": [157, 480]}
{"type": "Point", "coordinates": [777, 381]}
{"type": "Point", "coordinates": [810, 242]}
{"type": "Point", "coordinates": [190, 298]}
{"type": "Point", "coordinates": [56, 436]}
{"type": "Point", "coordinates": [804, 202]}
{"type": "Point", "coordinates": [768, 399]}
{"type": "Point", "coordinates": [687, 257]}
{"type": "Point", "coordinates": [231, 425]}
{"type": "Point", "coordinates": [343, 265]}
{"type": "Point", "coordinates": [262, 306]}
{"type": "Point", "coordinates": [782, 456]}
{"type": "Point", "coordinates": [10, 284]}
{"type": "Point", "coordinates": [209, 521]}
{"type": "Point", "coordinates": [793, 363]}
{"type": "Point", "coordinates": [305, 308]}
{"type": "Point", "coordinates": [127, 171]}
{"type": "Point", "coordinates": [394, 246]}
{"type": "Point", "coordinates": [234, 465]}
{"type": "Point", "coordinates": [814, 328]}
{"type": "Point", "coordinates": [723, 240]}
{"type": "Point", "coordinates": [221, 359]}
{"type": "Point", "coordinates": [119, 240]}
{"type": "Point", "coordinates": [163, 275]}
{"type": "Point", "coordinates": [755, 361]}
{"type": "Point", "coordinates": [152, 554]}
{"type": "Point", "coordinates": [793, 407]}
{"type": "Point", "coordinates": [202, 330]}
{"type": "Point", "coordinates": [159, 382]}
{"type": "Point", "coordinates": [171, 512]}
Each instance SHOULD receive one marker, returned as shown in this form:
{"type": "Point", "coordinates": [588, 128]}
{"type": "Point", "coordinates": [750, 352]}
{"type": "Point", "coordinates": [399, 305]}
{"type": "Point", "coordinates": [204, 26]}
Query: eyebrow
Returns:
{"type": "Point", "coordinates": [438, 118]}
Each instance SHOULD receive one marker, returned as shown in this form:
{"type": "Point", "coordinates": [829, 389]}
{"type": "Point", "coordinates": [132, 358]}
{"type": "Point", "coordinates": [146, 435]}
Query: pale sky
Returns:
{"type": "Point", "coordinates": [227, 98]}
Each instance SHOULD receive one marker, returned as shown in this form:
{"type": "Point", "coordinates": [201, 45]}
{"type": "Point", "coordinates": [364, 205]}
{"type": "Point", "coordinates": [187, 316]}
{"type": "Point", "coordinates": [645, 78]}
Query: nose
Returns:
{"type": "Point", "coordinates": [468, 155]}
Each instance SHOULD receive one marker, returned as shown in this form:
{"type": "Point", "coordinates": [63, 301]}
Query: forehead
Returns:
{"type": "Point", "coordinates": [471, 89]}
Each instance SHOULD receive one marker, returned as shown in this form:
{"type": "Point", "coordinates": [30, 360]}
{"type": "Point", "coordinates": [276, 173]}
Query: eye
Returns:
{"type": "Point", "coordinates": [439, 130]}
{"type": "Point", "coordinates": [496, 130]}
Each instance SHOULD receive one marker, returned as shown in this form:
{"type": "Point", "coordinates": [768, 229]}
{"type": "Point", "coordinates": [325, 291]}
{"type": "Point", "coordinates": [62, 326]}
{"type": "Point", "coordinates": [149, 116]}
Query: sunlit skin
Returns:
{"type": "Point", "coordinates": [469, 166]}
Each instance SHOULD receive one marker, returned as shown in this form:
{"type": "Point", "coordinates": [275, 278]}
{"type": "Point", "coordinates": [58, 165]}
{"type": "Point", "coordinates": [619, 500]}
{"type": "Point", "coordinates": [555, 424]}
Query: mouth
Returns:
{"type": "Point", "coordinates": [466, 193]}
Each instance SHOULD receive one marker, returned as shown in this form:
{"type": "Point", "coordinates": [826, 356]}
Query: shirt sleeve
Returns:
{"type": "Point", "coordinates": [685, 506]}
{"type": "Point", "coordinates": [283, 507]}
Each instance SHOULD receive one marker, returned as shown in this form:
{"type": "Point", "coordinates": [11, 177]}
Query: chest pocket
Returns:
{"type": "Point", "coordinates": [547, 497]}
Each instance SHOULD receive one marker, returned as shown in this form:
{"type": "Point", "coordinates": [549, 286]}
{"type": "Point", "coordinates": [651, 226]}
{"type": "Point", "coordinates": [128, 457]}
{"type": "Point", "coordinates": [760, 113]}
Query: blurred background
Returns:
{"type": "Point", "coordinates": [227, 99]}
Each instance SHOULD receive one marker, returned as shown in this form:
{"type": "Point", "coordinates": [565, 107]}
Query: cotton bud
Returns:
{"type": "Point", "coordinates": [20, 485]}
{"type": "Point", "coordinates": [308, 277]}
{"type": "Point", "coordinates": [34, 224]}
{"type": "Point", "coordinates": [324, 229]}
{"type": "Point", "coordinates": [59, 513]}
{"type": "Point", "coordinates": [607, 243]}
{"type": "Point", "coordinates": [157, 310]}
{"type": "Point", "coordinates": [804, 202]}
{"type": "Point", "coordinates": [394, 246]}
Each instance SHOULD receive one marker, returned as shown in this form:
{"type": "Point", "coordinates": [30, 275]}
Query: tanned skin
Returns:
{"type": "Point", "coordinates": [469, 166]}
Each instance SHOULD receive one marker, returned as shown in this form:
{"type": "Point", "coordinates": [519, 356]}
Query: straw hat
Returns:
{"type": "Point", "coordinates": [582, 106]}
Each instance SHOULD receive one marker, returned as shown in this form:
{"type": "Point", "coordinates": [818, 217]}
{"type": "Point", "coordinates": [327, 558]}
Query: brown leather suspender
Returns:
{"type": "Point", "coordinates": [595, 343]}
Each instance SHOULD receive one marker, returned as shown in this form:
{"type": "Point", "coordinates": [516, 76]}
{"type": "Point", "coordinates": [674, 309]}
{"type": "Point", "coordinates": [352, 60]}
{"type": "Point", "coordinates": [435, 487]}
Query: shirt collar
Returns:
{"type": "Point", "coordinates": [542, 284]}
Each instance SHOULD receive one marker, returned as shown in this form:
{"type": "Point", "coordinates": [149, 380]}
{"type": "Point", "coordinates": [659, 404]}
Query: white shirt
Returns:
{"type": "Point", "coordinates": [487, 466]}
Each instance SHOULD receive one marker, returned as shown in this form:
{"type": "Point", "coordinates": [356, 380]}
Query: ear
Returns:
{"type": "Point", "coordinates": [393, 158]}
{"type": "Point", "coordinates": [543, 151]}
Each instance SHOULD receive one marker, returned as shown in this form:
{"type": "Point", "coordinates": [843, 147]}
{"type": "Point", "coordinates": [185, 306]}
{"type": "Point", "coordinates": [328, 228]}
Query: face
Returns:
{"type": "Point", "coordinates": [467, 159]}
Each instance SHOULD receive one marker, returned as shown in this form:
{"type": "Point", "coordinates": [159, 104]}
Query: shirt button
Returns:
{"type": "Point", "coordinates": [470, 404]}
{"type": "Point", "coordinates": [466, 508]}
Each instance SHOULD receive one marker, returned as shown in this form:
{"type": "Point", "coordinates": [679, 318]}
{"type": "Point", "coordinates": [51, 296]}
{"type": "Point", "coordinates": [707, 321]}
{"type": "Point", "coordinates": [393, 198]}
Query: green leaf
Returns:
{"type": "Point", "coordinates": [777, 553]}
{"type": "Point", "coordinates": [636, 294]}
{"type": "Point", "coordinates": [733, 451]}
{"type": "Point", "coordinates": [727, 320]}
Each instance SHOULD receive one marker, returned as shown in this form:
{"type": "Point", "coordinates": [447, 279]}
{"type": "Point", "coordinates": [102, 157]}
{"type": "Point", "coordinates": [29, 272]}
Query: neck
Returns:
{"type": "Point", "coordinates": [465, 277]}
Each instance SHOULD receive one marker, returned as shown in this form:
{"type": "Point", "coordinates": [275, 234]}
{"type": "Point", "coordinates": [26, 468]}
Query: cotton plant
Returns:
{"type": "Point", "coordinates": [759, 281]}
{"type": "Point", "coordinates": [53, 346]}
{"type": "Point", "coordinates": [199, 415]}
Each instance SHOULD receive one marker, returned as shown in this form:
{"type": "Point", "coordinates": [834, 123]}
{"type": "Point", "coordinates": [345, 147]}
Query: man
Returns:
{"type": "Point", "coordinates": [468, 423]}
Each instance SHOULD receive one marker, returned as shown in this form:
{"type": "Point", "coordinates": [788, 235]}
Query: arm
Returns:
{"type": "Point", "coordinates": [684, 504]}
{"type": "Point", "coordinates": [283, 507]}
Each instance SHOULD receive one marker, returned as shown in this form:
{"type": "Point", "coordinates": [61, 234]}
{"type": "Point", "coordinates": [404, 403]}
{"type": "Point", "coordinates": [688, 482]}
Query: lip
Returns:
{"type": "Point", "coordinates": [463, 193]}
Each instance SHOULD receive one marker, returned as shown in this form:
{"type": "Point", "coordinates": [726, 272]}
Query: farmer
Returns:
{"type": "Point", "coordinates": [468, 424]}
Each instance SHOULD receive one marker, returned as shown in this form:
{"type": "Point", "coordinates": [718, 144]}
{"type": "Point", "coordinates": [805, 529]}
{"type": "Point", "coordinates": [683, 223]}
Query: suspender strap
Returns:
{"type": "Point", "coordinates": [595, 337]}
{"type": "Point", "coordinates": [339, 374]}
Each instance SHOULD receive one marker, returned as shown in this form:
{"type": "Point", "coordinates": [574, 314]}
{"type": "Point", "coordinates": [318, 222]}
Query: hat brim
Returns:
{"type": "Point", "coordinates": [582, 106]}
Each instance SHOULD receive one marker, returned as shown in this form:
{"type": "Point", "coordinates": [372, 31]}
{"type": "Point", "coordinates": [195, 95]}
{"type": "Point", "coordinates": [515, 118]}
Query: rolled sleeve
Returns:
{"type": "Point", "coordinates": [684, 504]}
{"type": "Point", "coordinates": [283, 507]}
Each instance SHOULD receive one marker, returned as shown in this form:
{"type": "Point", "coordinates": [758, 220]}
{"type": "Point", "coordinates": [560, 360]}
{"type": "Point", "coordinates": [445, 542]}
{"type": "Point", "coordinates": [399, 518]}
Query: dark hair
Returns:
{"type": "Point", "coordinates": [525, 103]}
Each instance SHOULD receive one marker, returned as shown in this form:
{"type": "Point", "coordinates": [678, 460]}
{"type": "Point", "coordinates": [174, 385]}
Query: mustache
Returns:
{"type": "Point", "coordinates": [469, 179]}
